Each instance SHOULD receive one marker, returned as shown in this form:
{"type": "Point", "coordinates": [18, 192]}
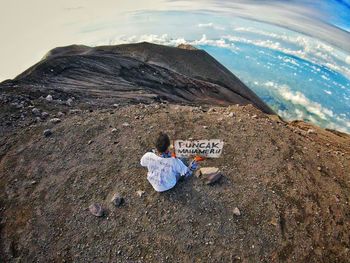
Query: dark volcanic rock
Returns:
{"type": "Point", "coordinates": [141, 72]}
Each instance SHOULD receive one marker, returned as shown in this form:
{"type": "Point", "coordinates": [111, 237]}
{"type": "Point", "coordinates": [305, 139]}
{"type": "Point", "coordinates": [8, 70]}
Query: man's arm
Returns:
{"type": "Point", "coordinates": [145, 160]}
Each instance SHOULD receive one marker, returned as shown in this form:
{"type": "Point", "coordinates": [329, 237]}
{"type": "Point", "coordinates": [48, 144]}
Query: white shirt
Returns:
{"type": "Point", "coordinates": [162, 171]}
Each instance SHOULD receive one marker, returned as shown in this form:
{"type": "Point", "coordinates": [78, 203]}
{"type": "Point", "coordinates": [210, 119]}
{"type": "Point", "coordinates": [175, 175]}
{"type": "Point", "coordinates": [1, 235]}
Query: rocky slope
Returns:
{"type": "Point", "coordinates": [290, 182]}
{"type": "Point", "coordinates": [140, 72]}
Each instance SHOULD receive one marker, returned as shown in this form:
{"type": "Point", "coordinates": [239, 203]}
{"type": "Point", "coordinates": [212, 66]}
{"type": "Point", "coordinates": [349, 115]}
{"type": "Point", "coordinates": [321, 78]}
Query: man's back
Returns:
{"type": "Point", "coordinates": [162, 172]}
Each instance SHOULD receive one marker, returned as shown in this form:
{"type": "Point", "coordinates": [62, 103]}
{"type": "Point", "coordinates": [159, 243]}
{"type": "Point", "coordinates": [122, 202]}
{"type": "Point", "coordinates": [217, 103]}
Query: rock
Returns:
{"type": "Point", "coordinates": [60, 114]}
{"type": "Point", "coordinates": [55, 120]}
{"type": "Point", "coordinates": [89, 142]}
{"type": "Point", "coordinates": [236, 211]}
{"type": "Point", "coordinates": [96, 210]}
{"type": "Point", "coordinates": [115, 105]}
{"type": "Point", "coordinates": [140, 193]}
{"type": "Point", "coordinates": [36, 112]}
{"type": "Point", "coordinates": [75, 111]}
{"type": "Point", "coordinates": [69, 102]}
{"type": "Point", "coordinates": [213, 178]}
{"type": "Point", "coordinates": [125, 124]}
{"type": "Point", "coordinates": [319, 168]}
{"type": "Point", "coordinates": [44, 114]}
{"type": "Point", "coordinates": [197, 173]}
{"type": "Point", "coordinates": [117, 200]}
{"type": "Point", "coordinates": [33, 182]}
{"type": "Point", "coordinates": [206, 171]}
{"type": "Point", "coordinates": [254, 116]}
{"type": "Point", "coordinates": [205, 127]}
{"type": "Point", "coordinates": [47, 132]}
{"type": "Point", "coordinates": [274, 222]}
{"type": "Point", "coordinates": [231, 114]}
{"type": "Point", "coordinates": [311, 131]}
{"type": "Point", "coordinates": [49, 98]}
{"type": "Point", "coordinates": [114, 130]}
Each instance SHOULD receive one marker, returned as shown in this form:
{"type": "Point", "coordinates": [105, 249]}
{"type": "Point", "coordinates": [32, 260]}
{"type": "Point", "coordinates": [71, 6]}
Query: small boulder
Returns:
{"type": "Point", "coordinates": [236, 211]}
{"type": "Point", "coordinates": [206, 171]}
{"type": "Point", "coordinates": [117, 200]}
{"type": "Point", "coordinates": [96, 210]}
{"type": "Point", "coordinates": [55, 120]}
{"type": "Point", "coordinates": [47, 132]}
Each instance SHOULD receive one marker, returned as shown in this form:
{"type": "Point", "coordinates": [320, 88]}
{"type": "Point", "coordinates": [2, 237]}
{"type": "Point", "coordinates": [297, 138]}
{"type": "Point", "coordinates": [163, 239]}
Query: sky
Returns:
{"type": "Point", "coordinates": [29, 29]}
{"type": "Point", "coordinates": [295, 54]}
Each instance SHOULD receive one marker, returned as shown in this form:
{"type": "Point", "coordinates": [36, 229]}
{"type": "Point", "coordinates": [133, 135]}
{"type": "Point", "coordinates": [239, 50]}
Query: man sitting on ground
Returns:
{"type": "Point", "coordinates": [164, 171]}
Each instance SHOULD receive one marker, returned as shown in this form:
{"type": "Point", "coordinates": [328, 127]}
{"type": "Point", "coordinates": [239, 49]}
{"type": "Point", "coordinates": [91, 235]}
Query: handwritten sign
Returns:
{"type": "Point", "coordinates": [205, 148]}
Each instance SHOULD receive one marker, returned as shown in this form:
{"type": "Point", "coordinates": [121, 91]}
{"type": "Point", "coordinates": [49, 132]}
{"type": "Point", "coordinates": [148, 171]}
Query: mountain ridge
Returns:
{"type": "Point", "coordinates": [200, 77]}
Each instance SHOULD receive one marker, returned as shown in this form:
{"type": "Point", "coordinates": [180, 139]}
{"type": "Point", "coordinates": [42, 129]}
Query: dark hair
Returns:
{"type": "Point", "coordinates": [162, 142]}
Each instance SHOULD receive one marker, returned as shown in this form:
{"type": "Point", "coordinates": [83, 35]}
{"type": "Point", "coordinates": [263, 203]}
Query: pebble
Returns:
{"type": "Point", "coordinates": [55, 120]}
{"type": "Point", "coordinates": [125, 124]}
{"type": "Point", "coordinates": [96, 210]}
{"type": "Point", "coordinates": [254, 116]}
{"type": "Point", "coordinates": [319, 168]}
{"type": "Point", "coordinates": [60, 114]}
{"type": "Point", "coordinates": [69, 102]}
{"type": "Point", "coordinates": [231, 114]}
{"type": "Point", "coordinates": [311, 131]}
{"type": "Point", "coordinates": [205, 127]}
{"type": "Point", "coordinates": [49, 98]}
{"type": "Point", "coordinates": [44, 114]}
{"type": "Point", "coordinates": [117, 200]}
{"type": "Point", "coordinates": [236, 211]}
{"type": "Point", "coordinates": [91, 141]}
{"type": "Point", "coordinates": [47, 132]}
{"type": "Point", "coordinates": [114, 130]}
{"type": "Point", "coordinates": [36, 111]}
{"type": "Point", "coordinates": [76, 111]}
{"type": "Point", "coordinates": [140, 193]}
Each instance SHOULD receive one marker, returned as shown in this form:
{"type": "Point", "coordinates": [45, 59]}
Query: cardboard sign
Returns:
{"type": "Point", "coordinates": [205, 148]}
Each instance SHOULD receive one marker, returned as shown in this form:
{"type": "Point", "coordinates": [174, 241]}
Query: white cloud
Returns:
{"type": "Point", "coordinates": [298, 98]}
{"type": "Point", "coordinates": [211, 25]}
{"type": "Point", "coordinates": [166, 40]}
{"type": "Point", "coordinates": [312, 108]}
{"type": "Point", "coordinates": [310, 49]}
{"type": "Point", "coordinates": [347, 60]}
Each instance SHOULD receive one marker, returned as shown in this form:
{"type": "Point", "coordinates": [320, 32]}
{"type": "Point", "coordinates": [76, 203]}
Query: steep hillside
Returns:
{"type": "Point", "coordinates": [290, 181]}
{"type": "Point", "coordinates": [135, 73]}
